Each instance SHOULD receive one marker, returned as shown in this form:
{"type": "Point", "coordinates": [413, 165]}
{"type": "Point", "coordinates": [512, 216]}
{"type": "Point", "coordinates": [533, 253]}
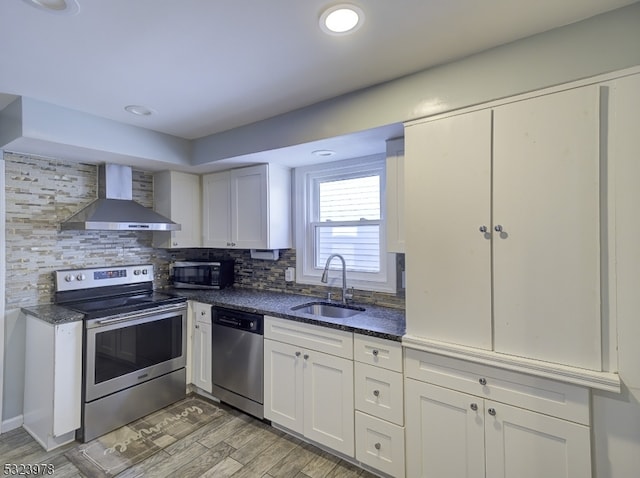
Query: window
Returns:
{"type": "Point", "coordinates": [342, 212]}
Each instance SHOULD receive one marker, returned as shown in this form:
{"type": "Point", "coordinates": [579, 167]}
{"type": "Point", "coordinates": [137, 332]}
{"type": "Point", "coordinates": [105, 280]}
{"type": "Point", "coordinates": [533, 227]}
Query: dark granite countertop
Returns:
{"type": "Point", "coordinates": [53, 314]}
{"type": "Point", "coordinates": [377, 321]}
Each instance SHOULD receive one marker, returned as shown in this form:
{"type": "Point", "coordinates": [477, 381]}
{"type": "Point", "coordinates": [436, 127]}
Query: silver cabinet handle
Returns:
{"type": "Point", "coordinates": [376, 393]}
{"type": "Point", "coordinates": [375, 352]}
{"type": "Point", "coordinates": [297, 354]}
{"type": "Point", "coordinates": [306, 356]}
{"type": "Point", "coordinates": [492, 412]}
{"type": "Point", "coordinates": [483, 229]}
{"type": "Point", "coordinates": [377, 446]}
{"type": "Point", "coordinates": [483, 381]}
{"type": "Point", "coordinates": [498, 228]}
{"type": "Point", "coordinates": [474, 407]}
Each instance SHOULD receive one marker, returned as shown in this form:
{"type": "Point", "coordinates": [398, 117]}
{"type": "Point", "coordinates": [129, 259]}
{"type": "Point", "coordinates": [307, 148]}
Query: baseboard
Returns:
{"type": "Point", "coordinates": [12, 423]}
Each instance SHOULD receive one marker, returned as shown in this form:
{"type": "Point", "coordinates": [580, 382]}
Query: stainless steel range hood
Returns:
{"type": "Point", "coordinates": [115, 209]}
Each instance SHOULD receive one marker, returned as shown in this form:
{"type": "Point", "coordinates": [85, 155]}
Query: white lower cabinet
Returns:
{"type": "Point", "coordinates": [201, 343]}
{"type": "Point", "coordinates": [53, 381]}
{"type": "Point", "coordinates": [379, 403]}
{"type": "Point", "coordinates": [461, 432]}
{"type": "Point", "coordinates": [308, 390]}
{"type": "Point", "coordinates": [380, 444]}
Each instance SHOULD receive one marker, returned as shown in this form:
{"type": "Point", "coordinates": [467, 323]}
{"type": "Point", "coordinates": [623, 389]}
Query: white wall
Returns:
{"type": "Point", "coordinates": [601, 44]}
{"type": "Point", "coordinates": [616, 417]}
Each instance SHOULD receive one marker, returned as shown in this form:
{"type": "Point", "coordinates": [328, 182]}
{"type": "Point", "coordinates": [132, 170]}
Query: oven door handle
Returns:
{"type": "Point", "coordinates": [130, 317]}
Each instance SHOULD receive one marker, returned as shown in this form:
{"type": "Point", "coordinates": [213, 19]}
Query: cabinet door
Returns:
{"type": "Point", "coordinates": [444, 434]}
{"type": "Point", "coordinates": [547, 201]}
{"type": "Point", "coordinates": [395, 196]}
{"type": "Point", "coordinates": [202, 356]}
{"type": "Point", "coordinates": [216, 210]}
{"type": "Point", "coordinates": [178, 196]}
{"type": "Point", "coordinates": [328, 399]}
{"type": "Point", "coordinates": [249, 206]}
{"type": "Point", "coordinates": [448, 198]}
{"type": "Point", "coordinates": [186, 210]}
{"type": "Point", "coordinates": [525, 444]}
{"type": "Point", "coordinates": [67, 393]}
{"type": "Point", "coordinates": [283, 385]}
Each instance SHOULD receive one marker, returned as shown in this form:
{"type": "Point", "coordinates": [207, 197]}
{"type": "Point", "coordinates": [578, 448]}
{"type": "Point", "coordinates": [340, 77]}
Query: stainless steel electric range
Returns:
{"type": "Point", "coordinates": [134, 344]}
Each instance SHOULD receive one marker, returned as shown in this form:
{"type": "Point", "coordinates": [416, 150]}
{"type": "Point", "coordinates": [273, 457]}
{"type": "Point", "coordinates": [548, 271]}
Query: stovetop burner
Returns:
{"type": "Point", "coordinates": [122, 304]}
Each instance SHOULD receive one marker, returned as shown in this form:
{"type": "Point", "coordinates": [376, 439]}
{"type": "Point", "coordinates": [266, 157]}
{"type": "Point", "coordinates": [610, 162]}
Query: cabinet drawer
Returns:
{"type": "Point", "coordinates": [380, 444]}
{"type": "Point", "coordinates": [550, 397]}
{"type": "Point", "coordinates": [202, 312]}
{"type": "Point", "coordinates": [377, 351]}
{"type": "Point", "coordinates": [379, 392]}
{"type": "Point", "coordinates": [314, 337]}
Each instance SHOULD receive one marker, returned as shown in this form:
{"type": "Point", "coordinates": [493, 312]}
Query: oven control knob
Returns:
{"type": "Point", "coordinates": [145, 272]}
{"type": "Point", "coordinates": [136, 272]}
{"type": "Point", "coordinates": [251, 325]}
{"type": "Point", "coordinates": [69, 278]}
{"type": "Point", "coordinates": [81, 277]}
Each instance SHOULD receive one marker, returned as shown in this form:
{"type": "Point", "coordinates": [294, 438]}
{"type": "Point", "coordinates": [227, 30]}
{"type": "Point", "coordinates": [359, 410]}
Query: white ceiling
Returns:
{"type": "Point", "coordinates": [206, 66]}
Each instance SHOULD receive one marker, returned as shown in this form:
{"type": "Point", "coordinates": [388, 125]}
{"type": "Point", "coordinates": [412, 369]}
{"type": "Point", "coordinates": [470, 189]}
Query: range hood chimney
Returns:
{"type": "Point", "coordinates": [115, 209]}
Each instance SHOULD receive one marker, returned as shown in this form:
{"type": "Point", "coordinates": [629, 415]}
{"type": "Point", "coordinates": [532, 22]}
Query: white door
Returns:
{"type": "Point", "coordinates": [216, 210]}
{"type": "Point", "coordinates": [547, 202]}
{"type": "Point", "coordinates": [249, 207]}
{"type": "Point", "coordinates": [395, 196]}
{"type": "Point", "coordinates": [444, 432]}
{"type": "Point", "coordinates": [283, 385]}
{"type": "Point", "coordinates": [525, 444]}
{"type": "Point", "coordinates": [448, 200]}
{"type": "Point", "coordinates": [328, 399]}
{"type": "Point", "coordinates": [202, 356]}
{"type": "Point", "coordinates": [186, 209]}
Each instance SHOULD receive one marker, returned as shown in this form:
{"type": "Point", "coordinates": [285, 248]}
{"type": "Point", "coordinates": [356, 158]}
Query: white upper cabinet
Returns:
{"type": "Point", "coordinates": [177, 196]}
{"type": "Point", "coordinates": [248, 208]}
{"type": "Point", "coordinates": [395, 195]}
{"type": "Point", "coordinates": [503, 229]}
{"type": "Point", "coordinates": [448, 264]}
{"type": "Point", "coordinates": [546, 199]}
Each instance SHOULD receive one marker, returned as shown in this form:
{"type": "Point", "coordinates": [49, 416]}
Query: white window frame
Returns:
{"type": "Point", "coordinates": [306, 272]}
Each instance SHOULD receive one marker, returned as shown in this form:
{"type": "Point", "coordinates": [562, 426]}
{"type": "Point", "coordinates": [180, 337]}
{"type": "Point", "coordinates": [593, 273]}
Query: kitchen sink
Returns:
{"type": "Point", "coordinates": [326, 309]}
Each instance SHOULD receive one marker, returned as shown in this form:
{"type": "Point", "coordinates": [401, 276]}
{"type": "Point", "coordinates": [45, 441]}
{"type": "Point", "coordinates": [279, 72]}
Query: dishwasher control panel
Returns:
{"type": "Point", "coordinates": [238, 319]}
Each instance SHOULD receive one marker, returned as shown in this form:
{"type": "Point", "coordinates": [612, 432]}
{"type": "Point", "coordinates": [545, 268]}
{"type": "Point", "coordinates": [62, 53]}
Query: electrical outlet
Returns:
{"type": "Point", "coordinates": [289, 274]}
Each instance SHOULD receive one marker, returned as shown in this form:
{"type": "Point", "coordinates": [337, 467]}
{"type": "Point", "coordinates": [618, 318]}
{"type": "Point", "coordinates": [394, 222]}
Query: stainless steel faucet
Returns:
{"type": "Point", "coordinates": [325, 274]}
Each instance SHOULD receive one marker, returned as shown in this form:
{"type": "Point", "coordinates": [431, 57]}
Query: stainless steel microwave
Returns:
{"type": "Point", "coordinates": [202, 275]}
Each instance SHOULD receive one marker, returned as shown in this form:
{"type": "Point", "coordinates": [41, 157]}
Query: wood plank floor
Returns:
{"type": "Point", "coordinates": [232, 445]}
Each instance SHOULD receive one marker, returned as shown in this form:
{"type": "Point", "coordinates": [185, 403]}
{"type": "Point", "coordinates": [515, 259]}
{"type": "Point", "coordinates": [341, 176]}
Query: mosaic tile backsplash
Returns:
{"type": "Point", "coordinates": [42, 192]}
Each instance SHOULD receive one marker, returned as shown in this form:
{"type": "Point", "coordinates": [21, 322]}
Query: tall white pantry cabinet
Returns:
{"type": "Point", "coordinates": [510, 223]}
{"type": "Point", "coordinates": [503, 208]}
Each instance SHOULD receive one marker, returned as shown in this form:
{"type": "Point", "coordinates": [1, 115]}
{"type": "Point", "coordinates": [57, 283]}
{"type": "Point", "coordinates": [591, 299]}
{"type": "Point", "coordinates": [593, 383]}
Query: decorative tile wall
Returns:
{"type": "Point", "coordinates": [42, 192]}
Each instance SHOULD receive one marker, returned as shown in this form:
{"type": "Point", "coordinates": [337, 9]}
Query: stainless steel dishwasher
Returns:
{"type": "Point", "coordinates": [237, 359]}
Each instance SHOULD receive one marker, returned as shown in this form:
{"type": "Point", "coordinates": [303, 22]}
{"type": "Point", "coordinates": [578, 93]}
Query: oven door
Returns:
{"type": "Point", "coordinates": [121, 352]}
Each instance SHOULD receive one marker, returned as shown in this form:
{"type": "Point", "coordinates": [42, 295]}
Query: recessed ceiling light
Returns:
{"type": "Point", "coordinates": [341, 19]}
{"type": "Point", "coordinates": [325, 153]}
{"type": "Point", "coordinates": [138, 110]}
{"type": "Point", "coordinates": [59, 7]}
